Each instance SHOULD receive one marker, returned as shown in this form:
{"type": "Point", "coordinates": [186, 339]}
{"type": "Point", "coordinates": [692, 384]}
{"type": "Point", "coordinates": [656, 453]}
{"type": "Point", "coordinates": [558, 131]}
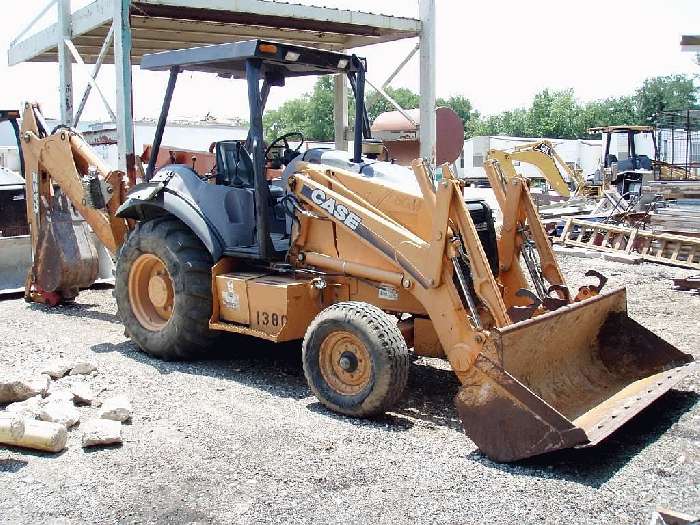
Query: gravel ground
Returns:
{"type": "Point", "coordinates": [239, 439]}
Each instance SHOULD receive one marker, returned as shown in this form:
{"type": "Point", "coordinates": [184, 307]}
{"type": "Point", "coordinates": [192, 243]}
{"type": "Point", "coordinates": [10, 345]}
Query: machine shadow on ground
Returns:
{"type": "Point", "coordinates": [12, 466]}
{"type": "Point", "coordinates": [594, 466]}
{"type": "Point", "coordinates": [78, 310]}
{"type": "Point", "coordinates": [277, 369]}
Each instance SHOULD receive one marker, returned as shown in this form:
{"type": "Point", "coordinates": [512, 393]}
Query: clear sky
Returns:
{"type": "Point", "coordinates": [497, 53]}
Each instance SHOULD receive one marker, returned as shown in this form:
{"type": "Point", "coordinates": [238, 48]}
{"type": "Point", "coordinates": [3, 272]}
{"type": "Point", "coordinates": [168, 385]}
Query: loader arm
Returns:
{"type": "Point", "coordinates": [460, 314]}
{"type": "Point", "coordinates": [63, 174]}
{"type": "Point", "coordinates": [521, 229]}
{"type": "Point", "coordinates": [566, 375]}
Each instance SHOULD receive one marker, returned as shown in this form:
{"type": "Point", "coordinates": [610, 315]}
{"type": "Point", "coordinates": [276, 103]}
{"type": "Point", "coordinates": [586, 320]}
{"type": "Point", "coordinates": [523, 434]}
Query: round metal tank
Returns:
{"type": "Point", "coordinates": [400, 135]}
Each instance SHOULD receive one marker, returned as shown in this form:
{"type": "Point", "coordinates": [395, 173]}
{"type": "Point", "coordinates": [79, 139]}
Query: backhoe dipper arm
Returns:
{"type": "Point", "coordinates": [542, 156]}
{"type": "Point", "coordinates": [61, 159]}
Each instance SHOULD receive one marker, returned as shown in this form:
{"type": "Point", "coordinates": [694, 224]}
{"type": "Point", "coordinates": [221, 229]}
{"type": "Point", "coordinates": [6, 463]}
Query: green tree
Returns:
{"type": "Point", "coordinates": [462, 106]}
{"type": "Point", "coordinates": [667, 93]}
{"type": "Point", "coordinates": [514, 123]}
{"type": "Point", "coordinates": [312, 114]}
{"type": "Point", "coordinates": [553, 114]}
{"type": "Point", "coordinates": [319, 123]}
{"type": "Point", "coordinates": [609, 111]}
{"type": "Point", "coordinates": [291, 116]}
{"type": "Point", "coordinates": [404, 97]}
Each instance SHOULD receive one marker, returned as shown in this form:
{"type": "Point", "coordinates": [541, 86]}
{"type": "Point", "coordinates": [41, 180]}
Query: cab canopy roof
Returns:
{"type": "Point", "coordinates": [229, 60]}
{"type": "Point", "coordinates": [621, 129]}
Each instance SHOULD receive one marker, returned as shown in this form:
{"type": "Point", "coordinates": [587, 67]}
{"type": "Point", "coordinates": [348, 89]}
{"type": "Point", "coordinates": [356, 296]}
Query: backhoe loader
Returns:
{"type": "Point", "coordinates": [544, 157]}
{"type": "Point", "coordinates": [362, 260]}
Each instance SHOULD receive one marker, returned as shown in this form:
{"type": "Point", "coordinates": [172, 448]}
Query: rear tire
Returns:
{"type": "Point", "coordinates": [163, 290]}
{"type": "Point", "coordinates": [355, 359]}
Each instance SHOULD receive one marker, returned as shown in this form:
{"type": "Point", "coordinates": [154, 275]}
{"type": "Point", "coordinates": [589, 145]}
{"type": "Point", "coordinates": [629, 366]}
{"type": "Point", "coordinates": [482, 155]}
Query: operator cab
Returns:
{"type": "Point", "coordinates": [246, 175]}
{"type": "Point", "coordinates": [629, 173]}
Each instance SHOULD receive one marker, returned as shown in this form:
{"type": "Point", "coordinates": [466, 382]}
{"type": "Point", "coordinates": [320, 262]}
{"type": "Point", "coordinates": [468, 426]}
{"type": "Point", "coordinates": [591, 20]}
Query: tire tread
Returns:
{"type": "Point", "coordinates": [187, 334]}
{"type": "Point", "coordinates": [381, 330]}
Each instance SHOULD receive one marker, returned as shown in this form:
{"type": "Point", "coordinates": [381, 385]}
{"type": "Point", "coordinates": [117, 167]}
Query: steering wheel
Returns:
{"type": "Point", "coordinates": [289, 153]}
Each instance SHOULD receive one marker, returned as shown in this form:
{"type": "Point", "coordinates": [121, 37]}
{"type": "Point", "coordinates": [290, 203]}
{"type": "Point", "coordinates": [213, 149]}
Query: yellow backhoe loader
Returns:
{"type": "Point", "coordinates": [544, 157]}
{"type": "Point", "coordinates": [362, 260]}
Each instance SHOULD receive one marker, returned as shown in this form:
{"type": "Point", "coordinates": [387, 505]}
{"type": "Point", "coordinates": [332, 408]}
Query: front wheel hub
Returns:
{"type": "Point", "coordinates": [345, 362]}
{"type": "Point", "coordinates": [348, 362]}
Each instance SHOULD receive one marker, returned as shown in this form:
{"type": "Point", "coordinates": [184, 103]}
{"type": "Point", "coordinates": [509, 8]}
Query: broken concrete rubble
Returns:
{"type": "Point", "coordinates": [56, 369]}
{"type": "Point", "coordinates": [57, 396]}
{"type": "Point", "coordinates": [30, 433]}
{"type": "Point", "coordinates": [11, 427]}
{"type": "Point", "coordinates": [19, 389]}
{"type": "Point", "coordinates": [61, 412]}
{"type": "Point", "coordinates": [29, 408]}
{"type": "Point", "coordinates": [83, 368]}
{"type": "Point", "coordinates": [117, 408]}
{"type": "Point", "coordinates": [101, 432]}
{"type": "Point", "coordinates": [82, 394]}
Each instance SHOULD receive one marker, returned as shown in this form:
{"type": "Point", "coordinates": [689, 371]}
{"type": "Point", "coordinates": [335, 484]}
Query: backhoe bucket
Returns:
{"type": "Point", "coordinates": [66, 258]}
{"type": "Point", "coordinates": [567, 378]}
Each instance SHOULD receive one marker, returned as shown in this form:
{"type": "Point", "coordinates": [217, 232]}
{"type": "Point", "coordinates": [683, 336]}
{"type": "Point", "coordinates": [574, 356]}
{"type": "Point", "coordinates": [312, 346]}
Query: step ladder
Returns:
{"type": "Point", "coordinates": [666, 248]}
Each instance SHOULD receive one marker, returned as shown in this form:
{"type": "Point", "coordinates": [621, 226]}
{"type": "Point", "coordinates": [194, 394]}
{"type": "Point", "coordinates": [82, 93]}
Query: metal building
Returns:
{"type": "Point", "coordinates": [122, 31]}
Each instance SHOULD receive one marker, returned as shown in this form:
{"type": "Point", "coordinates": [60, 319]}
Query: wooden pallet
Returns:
{"type": "Point", "coordinates": [673, 189]}
{"type": "Point", "coordinates": [676, 250]}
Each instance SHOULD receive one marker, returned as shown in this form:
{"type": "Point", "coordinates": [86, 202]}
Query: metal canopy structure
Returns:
{"type": "Point", "coordinates": [230, 59]}
{"type": "Point", "coordinates": [122, 31]}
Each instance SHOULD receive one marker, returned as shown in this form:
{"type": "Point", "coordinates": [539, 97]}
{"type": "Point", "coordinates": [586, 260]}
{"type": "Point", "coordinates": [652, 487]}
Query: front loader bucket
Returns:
{"type": "Point", "coordinates": [567, 378]}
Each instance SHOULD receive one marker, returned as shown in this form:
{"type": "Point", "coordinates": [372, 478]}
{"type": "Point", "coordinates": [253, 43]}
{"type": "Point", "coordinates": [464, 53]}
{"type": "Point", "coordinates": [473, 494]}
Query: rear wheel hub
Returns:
{"type": "Point", "coordinates": [151, 292]}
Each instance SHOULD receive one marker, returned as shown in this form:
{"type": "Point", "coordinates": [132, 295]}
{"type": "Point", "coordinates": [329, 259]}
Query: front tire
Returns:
{"type": "Point", "coordinates": [163, 290]}
{"type": "Point", "coordinates": [355, 359]}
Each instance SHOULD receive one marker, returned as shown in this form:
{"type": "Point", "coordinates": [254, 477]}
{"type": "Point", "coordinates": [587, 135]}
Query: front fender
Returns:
{"type": "Point", "coordinates": [154, 199]}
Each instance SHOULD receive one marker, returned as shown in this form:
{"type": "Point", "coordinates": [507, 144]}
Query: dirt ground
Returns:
{"type": "Point", "coordinates": [239, 438]}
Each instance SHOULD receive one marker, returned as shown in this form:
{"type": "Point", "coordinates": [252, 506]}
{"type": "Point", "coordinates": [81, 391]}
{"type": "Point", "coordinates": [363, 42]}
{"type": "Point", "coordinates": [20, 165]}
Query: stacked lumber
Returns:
{"type": "Point", "coordinates": [673, 189]}
{"type": "Point", "coordinates": [680, 218]}
{"type": "Point", "coordinates": [573, 206]}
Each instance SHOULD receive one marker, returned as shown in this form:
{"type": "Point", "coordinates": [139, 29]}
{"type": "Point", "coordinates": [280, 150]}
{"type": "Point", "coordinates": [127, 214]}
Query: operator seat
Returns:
{"type": "Point", "coordinates": [234, 167]}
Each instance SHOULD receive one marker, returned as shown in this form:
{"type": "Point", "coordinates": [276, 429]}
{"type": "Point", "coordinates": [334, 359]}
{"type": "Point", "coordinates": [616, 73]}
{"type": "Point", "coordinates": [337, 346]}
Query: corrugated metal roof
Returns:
{"type": "Point", "coordinates": [321, 6]}
{"type": "Point", "coordinates": [161, 25]}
